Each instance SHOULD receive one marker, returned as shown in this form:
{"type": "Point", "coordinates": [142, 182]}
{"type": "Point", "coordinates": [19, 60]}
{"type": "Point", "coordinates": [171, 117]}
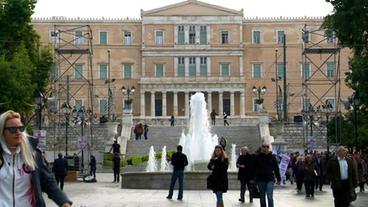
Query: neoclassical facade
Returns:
{"type": "Point", "coordinates": [177, 50]}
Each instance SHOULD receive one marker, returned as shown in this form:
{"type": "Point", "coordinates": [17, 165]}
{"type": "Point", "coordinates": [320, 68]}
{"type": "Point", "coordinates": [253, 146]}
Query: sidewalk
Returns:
{"type": "Point", "coordinates": [105, 193]}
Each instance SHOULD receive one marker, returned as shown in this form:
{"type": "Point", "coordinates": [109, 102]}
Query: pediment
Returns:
{"type": "Point", "coordinates": [192, 8]}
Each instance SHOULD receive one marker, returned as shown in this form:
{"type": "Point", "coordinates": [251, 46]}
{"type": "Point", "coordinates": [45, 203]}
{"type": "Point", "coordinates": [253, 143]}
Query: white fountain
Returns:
{"type": "Point", "coordinates": [199, 143]}
{"type": "Point", "coordinates": [233, 158]}
{"type": "Point", "coordinates": [151, 166]}
{"type": "Point", "coordinates": [164, 164]}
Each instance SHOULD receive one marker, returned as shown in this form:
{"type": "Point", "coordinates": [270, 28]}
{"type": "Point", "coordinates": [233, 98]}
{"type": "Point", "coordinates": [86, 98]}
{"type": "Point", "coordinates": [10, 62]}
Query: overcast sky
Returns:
{"type": "Point", "coordinates": [131, 8]}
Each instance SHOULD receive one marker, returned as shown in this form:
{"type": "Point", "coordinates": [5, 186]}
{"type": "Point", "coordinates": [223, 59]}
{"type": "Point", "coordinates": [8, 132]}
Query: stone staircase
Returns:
{"type": "Point", "coordinates": [159, 136]}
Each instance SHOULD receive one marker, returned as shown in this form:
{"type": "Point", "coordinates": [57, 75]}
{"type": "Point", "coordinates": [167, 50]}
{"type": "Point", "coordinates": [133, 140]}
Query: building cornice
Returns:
{"type": "Point", "coordinates": [283, 19]}
{"type": "Point", "coordinates": [63, 19]}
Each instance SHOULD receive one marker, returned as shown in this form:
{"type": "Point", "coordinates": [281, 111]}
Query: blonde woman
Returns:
{"type": "Point", "coordinates": [219, 164]}
{"type": "Point", "coordinates": [23, 173]}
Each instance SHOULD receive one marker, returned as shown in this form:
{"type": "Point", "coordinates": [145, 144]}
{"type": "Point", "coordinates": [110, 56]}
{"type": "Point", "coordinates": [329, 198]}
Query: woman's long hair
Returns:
{"type": "Point", "coordinates": [25, 147]}
{"type": "Point", "coordinates": [222, 154]}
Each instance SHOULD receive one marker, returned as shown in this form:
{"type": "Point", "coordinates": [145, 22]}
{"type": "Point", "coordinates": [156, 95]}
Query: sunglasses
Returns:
{"type": "Point", "coordinates": [265, 146]}
{"type": "Point", "coordinates": [14, 130]}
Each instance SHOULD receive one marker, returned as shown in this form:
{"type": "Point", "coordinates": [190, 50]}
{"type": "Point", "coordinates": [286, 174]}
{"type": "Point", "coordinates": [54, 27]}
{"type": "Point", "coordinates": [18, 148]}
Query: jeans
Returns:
{"type": "Point", "coordinates": [219, 197]}
{"type": "Point", "coordinates": [177, 174]}
{"type": "Point", "coordinates": [266, 187]}
{"type": "Point", "coordinates": [116, 174]}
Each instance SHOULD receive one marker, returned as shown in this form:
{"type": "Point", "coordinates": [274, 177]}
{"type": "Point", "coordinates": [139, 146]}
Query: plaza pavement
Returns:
{"type": "Point", "coordinates": [105, 193]}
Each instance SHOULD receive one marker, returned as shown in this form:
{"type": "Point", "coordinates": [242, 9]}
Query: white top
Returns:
{"type": "Point", "coordinates": [343, 168]}
{"type": "Point", "coordinates": [15, 180]}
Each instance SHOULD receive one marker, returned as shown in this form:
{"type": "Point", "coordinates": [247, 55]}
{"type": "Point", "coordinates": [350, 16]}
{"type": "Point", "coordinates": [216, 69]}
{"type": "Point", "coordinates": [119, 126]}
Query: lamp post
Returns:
{"type": "Point", "coordinates": [277, 84]}
{"type": "Point", "coordinates": [311, 116]}
{"type": "Point", "coordinates": [39, 99]}
{"type": "Point", "coordinates": [109, 94]}
{"type": "Point", "coordinates": [128, 91]}
{"type": "Point", "coordinates": [327, 109]}
{"type": "Point", "coordinates": [258, 91]}
{"type": "Point", "coordinates": [66, 109]}
{"type": "Point", "coordinates": [354, 101]}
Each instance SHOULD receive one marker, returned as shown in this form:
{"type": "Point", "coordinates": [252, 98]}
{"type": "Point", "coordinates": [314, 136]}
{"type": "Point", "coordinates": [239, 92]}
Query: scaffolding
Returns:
{"type": "Point", "coordinates": [321, 85]}
{"type": "Point", "coordinates": [72, 82]}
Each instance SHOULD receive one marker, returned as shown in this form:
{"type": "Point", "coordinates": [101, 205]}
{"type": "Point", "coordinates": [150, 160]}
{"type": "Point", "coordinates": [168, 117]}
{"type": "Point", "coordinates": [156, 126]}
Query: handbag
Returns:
{"type": "Point", "coordinates": [353, 195]}
{"type": "Point", "coordinates": [210, 182]}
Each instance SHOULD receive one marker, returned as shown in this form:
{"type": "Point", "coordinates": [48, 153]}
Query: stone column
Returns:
{"type": "Point", "coordinates": [164, 110]}
{"type": "Point", "coordinates": [209, 101]}
{"type": "Point", "coordinates": [175, 103]}
{"type": "Point", "coordinates": [152, 103]}
{"type": "Point", "coordinates": [143, 104]}
{"type": "Point", "coordinates": [186, 104]}
{"type": "Point", "coordinates": [221, 103]}
{"type": "Point", "coordinates": [242, 104]}
{"type": "Point", "coordinates": [232, 103]}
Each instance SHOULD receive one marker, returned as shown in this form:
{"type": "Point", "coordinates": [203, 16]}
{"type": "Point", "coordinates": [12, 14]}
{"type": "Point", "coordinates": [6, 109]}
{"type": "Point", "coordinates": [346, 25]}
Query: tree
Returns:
{"type": "Point", "coordinates": [25, 65]}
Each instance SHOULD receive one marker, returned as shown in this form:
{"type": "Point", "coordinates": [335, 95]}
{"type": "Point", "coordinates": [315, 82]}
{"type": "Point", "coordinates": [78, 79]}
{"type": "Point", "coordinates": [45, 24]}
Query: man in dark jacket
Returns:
{"type": "Point", "coordinates": [245, 164]}
{"type": "Point", "coordinates": [60, 169]}
{"type": "Point", "coordinates": [343, 175]}
{"type": "Point", "coordinates": [266, 167]}
{"type": "Point", "coordinates": [179, 161]}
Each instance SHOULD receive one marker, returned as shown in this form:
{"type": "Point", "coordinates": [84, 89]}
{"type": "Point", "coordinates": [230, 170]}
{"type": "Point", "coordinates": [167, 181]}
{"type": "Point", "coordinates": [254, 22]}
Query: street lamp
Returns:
{"type": "Point", "coordinates": [258, 91]}
{"type": "Point", "coordinates": [109, 93]}
{"type": "Point", "coordinates": [327, 109]}
{"type": "Point", "coordinates": [311, 116]}
{"type": "Point", "coordinates": [80, 115]}
{"type": "Point", "coordinates": [66, 109]}
{"type": "Point", "coordinates": [128, 91]}
{"type": "Point", "coordinates": [39, 99]}
{"type": "Point", "coordinates": [355, 101]}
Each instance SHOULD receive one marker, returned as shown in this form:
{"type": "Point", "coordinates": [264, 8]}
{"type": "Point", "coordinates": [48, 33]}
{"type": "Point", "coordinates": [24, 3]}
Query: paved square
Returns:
{"type": "Point", "coordinates": [105, 193]}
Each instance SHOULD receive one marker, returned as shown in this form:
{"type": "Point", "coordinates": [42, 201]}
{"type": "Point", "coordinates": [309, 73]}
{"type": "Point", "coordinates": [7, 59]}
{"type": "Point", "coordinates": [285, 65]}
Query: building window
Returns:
{"type": "Point", "coordinates": [159, 37]}
{"type": "Point", "coordinates": [127, 69]}
{"type": "Point", "coordinates": [127, 37]}
{"type": "Point", "coordinates": [307, 106]}
{"type": "Point", "coordinates": [306, 71]}
{"type": "Point", "coordinates": [256, 37]}
{"type": "Point", "coordinates": [103, 106]}
{"type": "Point", "coordinates": [103, 38]}
{"type": "Point", "coordinates": [159, 70]}
{"type": "Point", "coordinates": [181, 67]}
{"type": "Point", "coordinates": [224, 37]}
{"type": "Point", "coordinates": [78, 104]}
{"type": "Point", "coordinates": [78, 38]}
{"type": "Point", "coordinates": [280, 70]}
{"type": "Point", "coordinates": [78, 73]}
{"type": "Point", "coordinates": [256, 71]}
{"type": "Point", "coordinates": [55, 37]}
{"type": "Point", "coordinates": [331, 102]}
{"type": "Point", "coordinates": [103, 71]}
{"type": "Point", "coordinates": [331, 69]}
{"type": "Point", "coordinates": [330, 38]}
{"type": "Point", "coordinates": [203, 66]}
{"type": "Point", "coordinates": [54, 75]}
{"type": "Point", "coordinates": [305, 36]}
{"type": "Point", "coordinates": [192, 34]}
{"type": "Point", "coordinates": [192, 66]}
{"type": "Point", "coordinates": [225, 69]}
{"type": "Point", "coordinates": [181, 35]}
{"type": "Point", "coordinates": [280, 36]}
{"type": "Point", "coordinates": [203, 35]}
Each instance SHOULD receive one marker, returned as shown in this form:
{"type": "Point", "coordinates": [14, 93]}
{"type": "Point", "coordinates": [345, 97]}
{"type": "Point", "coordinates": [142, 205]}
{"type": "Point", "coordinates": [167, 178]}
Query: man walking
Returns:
{"type": "Point", "coordinates": [179, 161]}
{"type": "Point", "coordinates": [213, 115]}
{"type": "Point", "coordinates": [245, 164]}
{"type": "Point", "coordinates": [343, 175]}
{"type": "Point", "coordinates": [266, 168]}
{"type": "Point", "coordinates": [60, 170]}
{"type": "Point", "coordinates": [225, 120]}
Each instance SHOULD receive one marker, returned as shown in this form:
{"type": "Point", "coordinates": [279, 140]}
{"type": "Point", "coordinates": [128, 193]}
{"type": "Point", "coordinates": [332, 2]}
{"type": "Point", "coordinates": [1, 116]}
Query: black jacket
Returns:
{"type": "Point", "coordinates": [266, 167]}
{"type": "Point", "coordinates": [246, 173]}
{"type": "Point", "coordinates": [179, 161]}
{"type": "Point", "coordinates": [60, 167]}
{"type": "Point", "coordinates": [219, 174]}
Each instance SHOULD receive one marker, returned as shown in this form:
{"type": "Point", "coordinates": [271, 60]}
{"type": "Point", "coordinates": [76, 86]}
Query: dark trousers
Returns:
{"type": "Point", "coordinates": [361, 186]}
{"type": "Point", "coordinates": [226, 123]}
{"type": "Point", "coordinates": [213, 121]}
{"type": "Point", "coordinates": [243, 187]}
{"type": "Point", "coordinates": [92, 172]}
{"type": "Point", "coordinates": [309, 188]}
{"type": "Point", "coordinates": [341, 195]}
{"type": "Point", "coordinates": [145, 135]}
{"type": "Point", "coordinates": [319, 182]}
{"type": "Point", "coordinates": [177, 174]}
{"type": "Point", "coordinates": [60, 179]}
{"type": "Point", "coordinates": [299, 184]}
{"type": "Point", "coordinates": [116, 174]}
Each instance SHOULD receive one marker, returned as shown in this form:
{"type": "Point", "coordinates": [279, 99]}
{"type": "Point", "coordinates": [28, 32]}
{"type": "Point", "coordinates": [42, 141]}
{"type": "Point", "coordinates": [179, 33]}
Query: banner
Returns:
{"type": "Point", "coordinates": [41, 136]}
{"type": "Point", "coordinates": [82, 143]}
{"type": "Point", "coordinates": [285, 159]}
